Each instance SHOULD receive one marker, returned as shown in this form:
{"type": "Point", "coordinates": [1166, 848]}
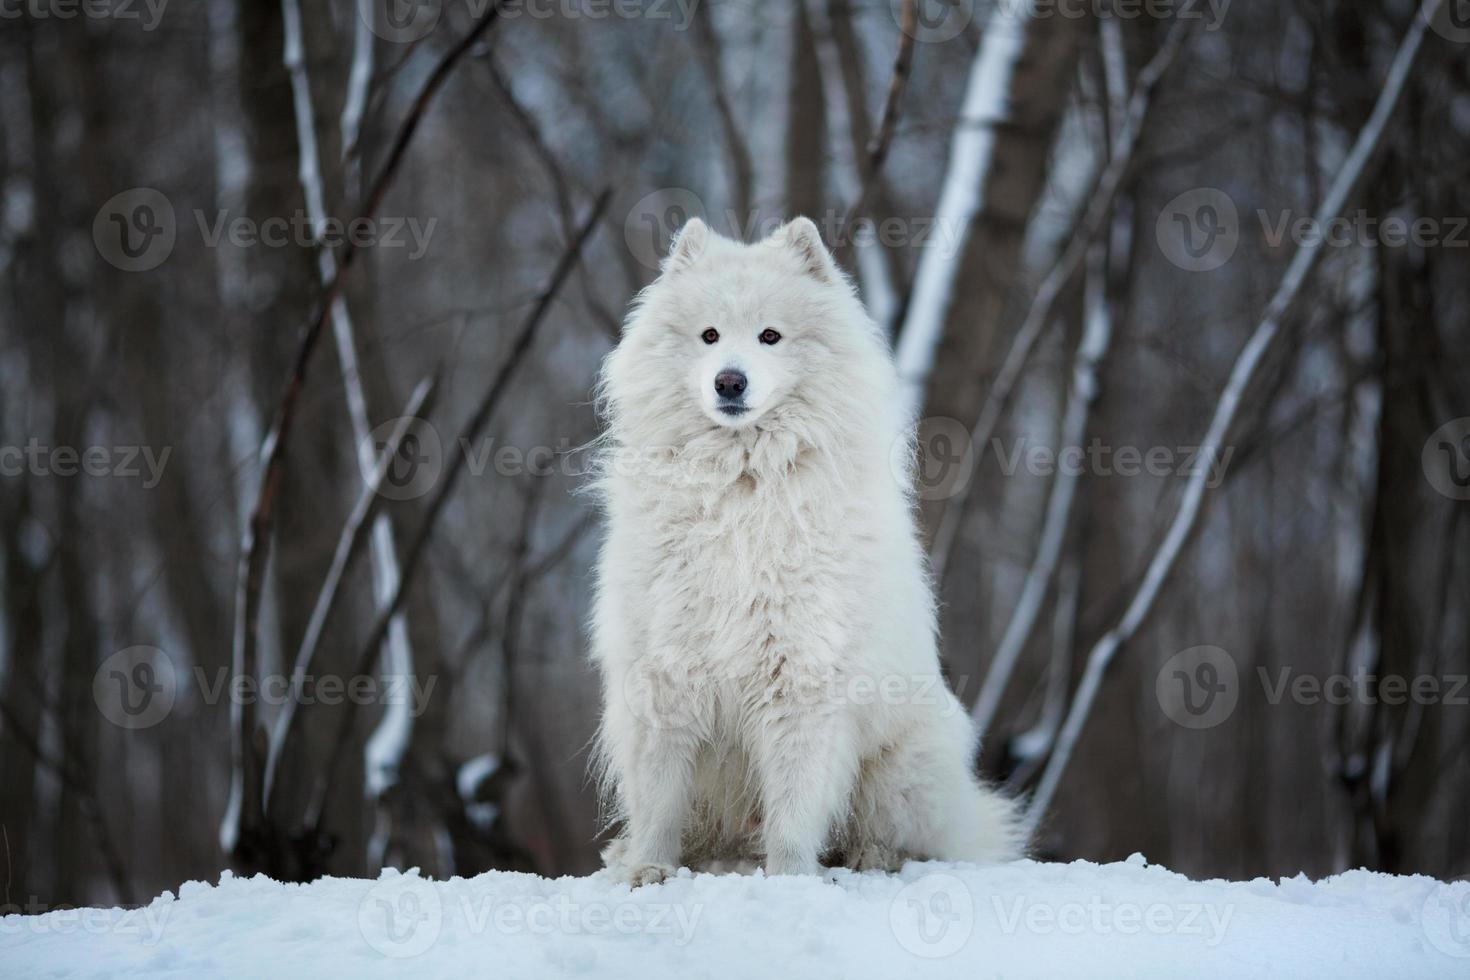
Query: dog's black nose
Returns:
{"type": "Point", "coordinates": [730, 384]}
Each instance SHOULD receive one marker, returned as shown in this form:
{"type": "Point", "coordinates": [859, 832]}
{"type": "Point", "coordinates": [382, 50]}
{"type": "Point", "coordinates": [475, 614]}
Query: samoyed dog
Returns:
{"type": "Point", "coordinates": [764, 623]}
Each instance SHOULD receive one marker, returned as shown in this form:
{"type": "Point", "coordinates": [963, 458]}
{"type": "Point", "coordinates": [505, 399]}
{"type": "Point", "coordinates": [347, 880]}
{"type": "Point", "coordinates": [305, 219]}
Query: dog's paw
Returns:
{"type": "Point", "coordinates": [875, 857]}
{"type": "Point", "coordinates": [637, 875]}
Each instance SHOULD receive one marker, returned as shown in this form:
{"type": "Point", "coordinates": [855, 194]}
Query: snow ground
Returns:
{"type": "Point", "coordinates": [1020, 920]}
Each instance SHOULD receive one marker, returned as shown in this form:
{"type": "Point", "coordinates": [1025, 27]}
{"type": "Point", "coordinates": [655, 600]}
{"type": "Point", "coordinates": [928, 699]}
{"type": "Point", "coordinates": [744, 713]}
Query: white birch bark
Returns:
{"type": "Point", "coordinates": [385, 747]}
{"type": "Point", "coordinates": [971, 156]}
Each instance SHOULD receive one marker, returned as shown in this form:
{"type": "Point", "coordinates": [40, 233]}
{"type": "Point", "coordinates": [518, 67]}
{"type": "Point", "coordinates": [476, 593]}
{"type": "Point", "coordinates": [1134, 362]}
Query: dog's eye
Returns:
{"type": "Point", "coordinates": [769, 336]}
{"type": "Point", "coordinates": [710, 336]}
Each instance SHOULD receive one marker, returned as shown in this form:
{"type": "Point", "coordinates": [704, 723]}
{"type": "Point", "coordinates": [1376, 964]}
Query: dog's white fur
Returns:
{"type": "Point", "coordinates": [763, 575]}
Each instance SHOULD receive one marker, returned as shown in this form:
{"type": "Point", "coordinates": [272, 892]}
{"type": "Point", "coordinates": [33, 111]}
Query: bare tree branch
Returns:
{"type": "Point", "coordinates": [244, 814]}
{"type": "Point", "coordinates": [882, 141]}
{"type": "Point", "coordinates": [711, 61]}
{"type": "Point", "coordinates": [1349, 180]}
{"type": "Point", "coordinates": [1039, 315]}
{"type": "Point", "coordinates": [453, 469]}
{"type": "Point", "coordinates": [1097, 337]}
{"type": "Point", "coordinates": [349, 544]}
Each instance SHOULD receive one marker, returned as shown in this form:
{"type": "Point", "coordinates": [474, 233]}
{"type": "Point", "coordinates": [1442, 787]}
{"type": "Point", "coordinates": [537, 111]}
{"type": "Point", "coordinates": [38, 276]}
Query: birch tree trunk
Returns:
{"type": "Point", "coordinates": [997, 168]}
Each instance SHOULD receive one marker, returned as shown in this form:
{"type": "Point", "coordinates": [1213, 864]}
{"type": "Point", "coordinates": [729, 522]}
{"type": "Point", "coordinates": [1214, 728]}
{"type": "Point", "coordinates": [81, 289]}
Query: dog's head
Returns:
{"type": "Point", "coordinates": [740, 337]}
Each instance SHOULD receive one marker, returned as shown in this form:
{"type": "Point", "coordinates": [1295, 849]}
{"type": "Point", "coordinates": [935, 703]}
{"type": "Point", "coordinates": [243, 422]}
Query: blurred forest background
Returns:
{"type": "Point", "coordinates": [1072, 216]}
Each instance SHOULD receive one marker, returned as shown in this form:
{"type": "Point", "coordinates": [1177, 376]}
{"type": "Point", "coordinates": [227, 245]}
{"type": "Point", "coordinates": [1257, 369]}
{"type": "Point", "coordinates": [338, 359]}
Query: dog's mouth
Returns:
{"type": "Point", "coordinates": [733, 411]}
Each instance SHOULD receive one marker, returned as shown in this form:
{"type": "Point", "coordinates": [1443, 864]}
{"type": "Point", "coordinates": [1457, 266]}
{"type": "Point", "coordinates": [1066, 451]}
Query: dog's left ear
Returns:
{"type": "Point", "coordinates": [801, 237]}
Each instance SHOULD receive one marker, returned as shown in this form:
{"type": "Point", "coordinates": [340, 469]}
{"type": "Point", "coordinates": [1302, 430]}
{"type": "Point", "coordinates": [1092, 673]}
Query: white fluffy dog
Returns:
{"type": "Point", "coordinates": [764, 621]}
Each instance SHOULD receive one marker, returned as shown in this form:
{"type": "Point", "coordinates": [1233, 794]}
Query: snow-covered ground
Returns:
{"type": "Point", "coordinates": [1019, 920]}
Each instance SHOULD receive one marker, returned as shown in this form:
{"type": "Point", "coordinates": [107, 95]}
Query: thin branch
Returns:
{"type": "Point", "coordinates": [244, 814]}
{"type": "Point", "coordinates": [1039, 315]}
{"type": "Point", "coordinates": [561, 187]}
{"type": "Point", "coordinates": [453, 468]}
{"type": "Point", "coordinates": [742, 176]}
{"type": "Point", "coordinates": [882, 140]}
{"type": "Point", "coordinates": [349, 545]}
{"type": "Point", "coordinates": [313, 184]}
{"type": "Point", "coordinates": [1355, 171]}
{"type": "Point", "coordinates": [873, 274]}
{"type": "Point", "coordinates": [1097, 337]}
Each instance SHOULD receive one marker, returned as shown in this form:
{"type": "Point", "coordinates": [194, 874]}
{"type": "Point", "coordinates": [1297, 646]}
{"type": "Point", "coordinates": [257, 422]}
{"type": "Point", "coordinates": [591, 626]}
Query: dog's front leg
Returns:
{"type": "Point", "coordinates": [807, 763]}
{"type": "Point", "coordinates": [658, 776]}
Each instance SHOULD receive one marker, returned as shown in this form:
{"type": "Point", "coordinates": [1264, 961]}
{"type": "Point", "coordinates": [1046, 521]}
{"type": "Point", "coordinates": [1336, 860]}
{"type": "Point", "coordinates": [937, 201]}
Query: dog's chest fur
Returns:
{"type": "Point", "coordinates": [754, 578]}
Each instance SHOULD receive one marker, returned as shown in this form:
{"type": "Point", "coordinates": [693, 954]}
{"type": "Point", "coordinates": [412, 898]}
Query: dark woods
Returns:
{"type": "Point", "coordinates": [303, 304]}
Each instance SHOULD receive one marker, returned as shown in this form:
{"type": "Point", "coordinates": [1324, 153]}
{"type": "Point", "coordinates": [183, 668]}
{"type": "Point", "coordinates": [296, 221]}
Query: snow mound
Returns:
{"type": "Point", "coordinates": [1019, 920]}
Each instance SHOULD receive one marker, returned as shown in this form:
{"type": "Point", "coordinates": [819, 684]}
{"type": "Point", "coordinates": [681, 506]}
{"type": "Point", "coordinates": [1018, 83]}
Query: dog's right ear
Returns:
{"type": "Point", "coordinates": [686, 249]}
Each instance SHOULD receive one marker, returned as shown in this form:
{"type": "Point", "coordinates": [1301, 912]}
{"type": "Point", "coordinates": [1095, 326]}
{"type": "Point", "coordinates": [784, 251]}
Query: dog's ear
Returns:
{"type": "Point", "coordinates": [801, 237]}
{"type": "Point", "coordinates": [687, 246]}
